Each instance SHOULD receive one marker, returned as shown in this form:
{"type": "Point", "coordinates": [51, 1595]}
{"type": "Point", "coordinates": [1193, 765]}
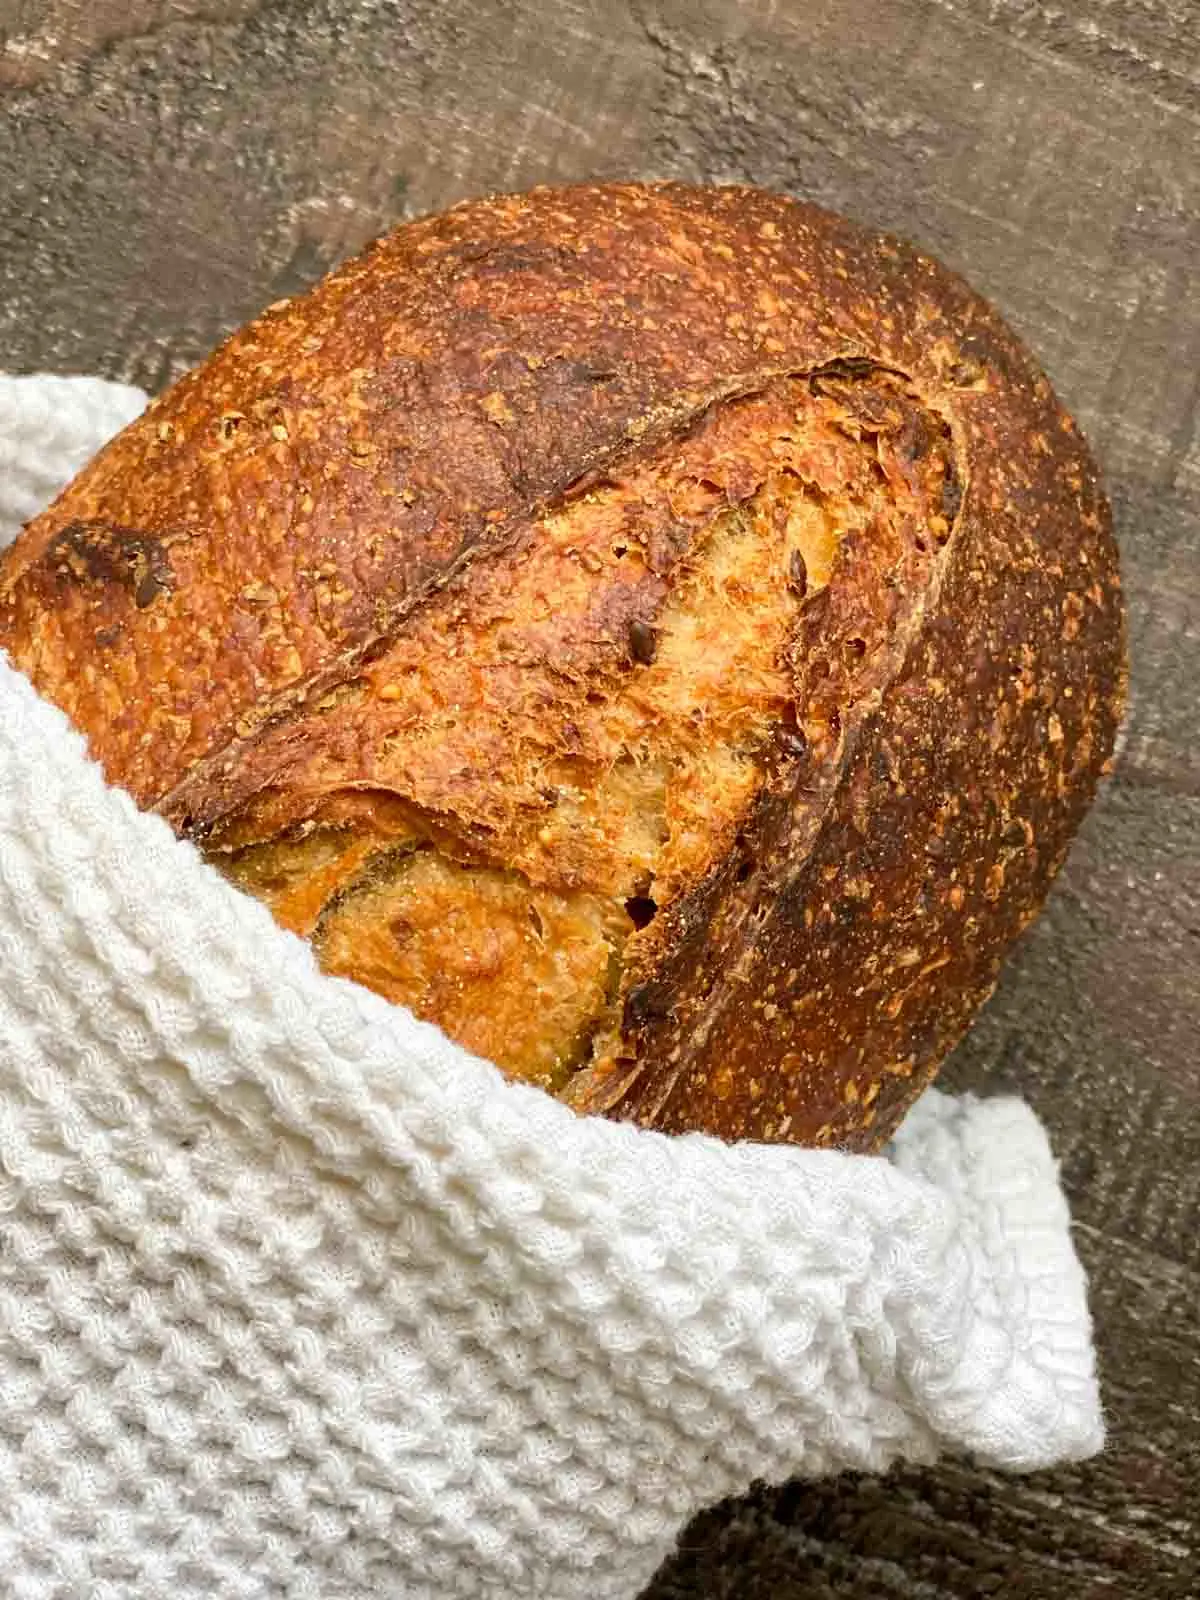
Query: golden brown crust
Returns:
{"type": "Point", "coordinates": [263, 532]}
{"type": "Point", "coordinates": [586, 719]}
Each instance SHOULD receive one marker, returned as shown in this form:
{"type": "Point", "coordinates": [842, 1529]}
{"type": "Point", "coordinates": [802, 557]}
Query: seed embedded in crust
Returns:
{"type": "Point", "coordinates": [643, 642]}
{"type": "Point", "coordinates": [798, 575]}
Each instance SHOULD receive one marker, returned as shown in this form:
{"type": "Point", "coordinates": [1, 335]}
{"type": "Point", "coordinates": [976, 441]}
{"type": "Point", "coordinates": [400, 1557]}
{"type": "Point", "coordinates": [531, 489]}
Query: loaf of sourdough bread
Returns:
{"type": "Point", "coordinates": [665, 636]}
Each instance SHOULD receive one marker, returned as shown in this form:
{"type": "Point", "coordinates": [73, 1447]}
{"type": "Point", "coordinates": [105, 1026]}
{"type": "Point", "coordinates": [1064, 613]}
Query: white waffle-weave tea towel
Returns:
{"type": "Point", "coordinates": [298, 1299]}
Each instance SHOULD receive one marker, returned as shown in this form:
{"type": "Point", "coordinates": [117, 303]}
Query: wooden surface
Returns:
{"type": "Point", "coordinates": [168, 166]}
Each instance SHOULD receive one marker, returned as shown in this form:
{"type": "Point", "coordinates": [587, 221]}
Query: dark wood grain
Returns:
{"type": "Point", "coordinates": [168, 166]}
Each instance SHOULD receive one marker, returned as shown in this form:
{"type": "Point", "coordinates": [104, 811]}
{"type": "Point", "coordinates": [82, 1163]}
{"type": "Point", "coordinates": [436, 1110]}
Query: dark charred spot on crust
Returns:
{"type": "Point", "coordinates": [745, 859]}
{"type": "Point", "coordinates": [643, 642]}
{"type": "Point", "coordinates": [97, 552]}
{"type": "Point", "coordinates": [642, 910]}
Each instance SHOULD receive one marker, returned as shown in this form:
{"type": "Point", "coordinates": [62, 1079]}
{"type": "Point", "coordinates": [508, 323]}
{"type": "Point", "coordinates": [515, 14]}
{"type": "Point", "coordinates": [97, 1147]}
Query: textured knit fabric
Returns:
{"type": "Point", "coordinates": [299, 1299]}
{"type": "Point", "coordinates": [49, 428]}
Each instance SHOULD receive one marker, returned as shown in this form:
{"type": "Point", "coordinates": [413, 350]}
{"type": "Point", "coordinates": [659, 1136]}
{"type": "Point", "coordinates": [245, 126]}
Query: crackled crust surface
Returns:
{"type": "Point", "coordinates": [669, 636]}
{"type": "Point", "coordinates": [568, 738]}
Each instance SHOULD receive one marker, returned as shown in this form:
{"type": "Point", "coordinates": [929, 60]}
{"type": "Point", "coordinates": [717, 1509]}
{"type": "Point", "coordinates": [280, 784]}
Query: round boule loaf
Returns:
{"type": "Point", "coordinates": [666, 636]}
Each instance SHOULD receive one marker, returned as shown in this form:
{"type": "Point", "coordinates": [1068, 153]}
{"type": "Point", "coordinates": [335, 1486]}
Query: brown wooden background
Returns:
{"type": "Point", "coordinates": [168, 166]}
